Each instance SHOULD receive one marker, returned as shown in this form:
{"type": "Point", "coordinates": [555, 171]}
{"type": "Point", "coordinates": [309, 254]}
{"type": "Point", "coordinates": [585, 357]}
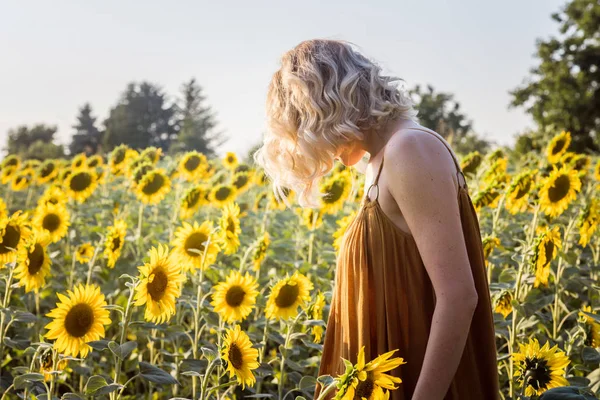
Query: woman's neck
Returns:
{"type": "Point", "coordinates": [376, 140]}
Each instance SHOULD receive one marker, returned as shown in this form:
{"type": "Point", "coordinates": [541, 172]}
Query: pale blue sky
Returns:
{"type": "Point", "coordinates": [57, 55]}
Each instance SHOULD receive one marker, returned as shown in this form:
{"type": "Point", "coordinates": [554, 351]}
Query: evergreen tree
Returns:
{"type": "Point", "coordinates": [87, 138]}
{"type": "Point", "coordinates": [36, 142]}
{"type": "Point", "coordinates": [141, 118]}
{"type": "Point", "coordinates": [197, 122]}
{"type": "Point", "coordinates": [563, 91]}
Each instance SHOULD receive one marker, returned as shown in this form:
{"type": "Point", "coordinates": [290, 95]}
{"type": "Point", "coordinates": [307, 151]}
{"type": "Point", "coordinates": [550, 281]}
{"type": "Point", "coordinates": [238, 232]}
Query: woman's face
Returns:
{"type": "Point", "coordinates": [350, 154]}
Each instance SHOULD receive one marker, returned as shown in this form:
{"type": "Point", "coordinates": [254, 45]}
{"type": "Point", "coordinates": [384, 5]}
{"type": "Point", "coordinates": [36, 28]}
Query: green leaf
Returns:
{"type": "Point", "coordinates": [27, 317]}
{"type": "Point", "coordinates": [98, 344]}
{"type": "Point", "coordinates": [156, 375]}
{"type": "Point", "coordinates": [590, 355]}
{"type": "Point", "coordinates": [123, 351]}
{"type": "Point", "coordinates": [307, 383]}
{"type": "Point", "coordinates": [71, 396]}
{"type": "Point", "coordinates": [94, 384]}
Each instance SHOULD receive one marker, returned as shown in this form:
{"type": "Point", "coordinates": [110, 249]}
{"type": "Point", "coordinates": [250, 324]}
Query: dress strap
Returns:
{"type": "Point", "coordinates": [375, 182]}
{"type": "Point", "coordinates": [456, 163]}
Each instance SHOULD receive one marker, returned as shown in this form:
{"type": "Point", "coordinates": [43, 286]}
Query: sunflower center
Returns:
{"type": "Point", "coordinates": [36, 259]}
{"type": "Point", "coordinates": [235, 296]}
{"type": "Point", "coordinates": [157, 283]}
{"type": "Point", "coordinates": [192, 198]}
{"type": "Point", "coordinates": [335, 192]}
{"type": "Point", "coordinates": [240, 181]}
{"type": "Point", "coordinates": [79, 320]}
{"type": "Point", "coordinates": [47, 170]}
{"type": "Point", "coordinates": [536, 373]}
{"type": "Point", "coordinates": [51, 222]}
{"type": "Point", "coordinates": [287, 296]}
{"type": "Point", "coordinates": [196, 242]}
{"type": "Point", "coordinates": [222, 193]}
{"type": "Point", "coordinates": [559, 189]}
{"type": "Point", "coordinates": [558, 146]}
{"type": "Point", "coordinates": [364, 389]}
{"type": "Point", "coordinates": [549, 249]}
{"type": "Point", "coordinates": [230, 225]}
{"type": "Point", "coordinates": [236, 358]}
{"type": "Point", "coordinates": [119, 157]}
{"type": "Point", "coordinates": [10, 240]}
{"type": "Point", "coordinates": [116, 243]}
{"type": "Point", "coordinates": [93, 162]}
{"type": "Point", "coordinates": [80, 182]}
{"type": "Point", "coordinates": [523, 189]}
{"type": "Point", "coordinates": [154, 185]}
{"type": "Point", "coordinates": [192, 163]}
{"type": "Point", "coordinates": [230, 159]}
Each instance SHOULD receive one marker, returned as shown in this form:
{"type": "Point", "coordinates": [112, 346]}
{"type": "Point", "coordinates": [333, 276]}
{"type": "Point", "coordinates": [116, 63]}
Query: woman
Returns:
{"type": "Point", "coordinates": [410, 271]}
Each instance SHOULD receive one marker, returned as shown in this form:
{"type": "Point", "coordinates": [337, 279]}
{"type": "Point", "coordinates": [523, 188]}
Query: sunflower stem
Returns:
{"type": "Point", "coordinates": [126, 317]}
{"type": "Point", "coordinates": [332, 386]}
{"type": "Point", "coordinates": [93, 260]}
{"type": "Point", "coordinates": [4, 305]}
{"type": "Point", "coordinates": [72, 273]}
{"type": "Point", "coordinates": [209, 371]}
{"type": "Point", "coordinates": [559, 272]}
{"type": "Point", "coordinates": [288, 335]}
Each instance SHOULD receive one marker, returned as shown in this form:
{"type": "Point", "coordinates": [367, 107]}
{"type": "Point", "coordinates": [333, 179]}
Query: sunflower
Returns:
{"type": "Point", "coordinates": [317, 313]}
{"type": "Point", "coordinates": [593, 334]}
{"type": "Point", "coordinates": [240, 356]}
{"type": "Point", "coordinates": [278, 201]}
{"type": "Point", "coordinates": [81, 183]}
{"type": "Point", "coordinates": [369, 380]}
{"type": "Point", "coordinates": [588, 221]}
{"type": "Point", "coordinates": [540, 369]}
{"type": "Point", "coordinates": [546, 246]}
{"type": "Point", "coordinates": [53, 195]}
{"type": "Point", "coordinates": [343, 224]}
{"type": "Point", "coordinates": [95, 161]}
{"type": "Point", "coordinates": [222, 194]}
{"type": "Point", "coordinates": [241, 181]}
{"type": "Point", "coordinates": [489, 244]}
{"type": "Point", "coordinates": [260, 251]}
{"type": "Point", "coordinates": [79, 318]}
{"type": "Point", "coordinates": [192, 200]}
{"type": "Point", "coordinates": [160, 285]}
{"type": "Point", "coordinates": [22, 179]}
{"type": "Point", "coordinates": [151, 154]}
{"type": "Point", "coordinates": [518, 192]}
{"type": "Point", "coordinates": [153, 187]}
{"type": "Point", "coordinates": [33, 262]}
{"type": "Point", "coordinates": [558, 190]}
{"type": "Point", "coordinates": [47, 365]}
{"type": "Point", "coordinates": [471, 162]}
{"type": "Point", "coordinates": [195, 245]}
{"type": "Point", "coordinates": [115, 239]}
{"type": "Point", "coordinates": [310, 217]}
{"type": "Point", "coordinates": [261, 178]}
{"type": "Point", "coordinates": [558, 146]}
{"type": "Point", "coordinates": [230, 228]}
{"type": "Point", "coordinates": [287, 295]}
{"type": "Point", "coordinates": [230, 161]}
{"type": "Point", "coordinates": [3, 211]}
{"type": "Point", "coordinates": [597, 171]}
{"type": "Point", "coordinates": [336, 188]}
{"type": "Point", "coordinates": [140, 172]}
{"type": "Point", "coordinates": [11, 161]}
{"type": "Point", "coordinates": [579, 162]}
{"type": "Point", "coordinates": [84, 253]}
{"type": "Point", "coordinates": [259, 200]}
{"type": "Point", "coordinates": [192, 166]}
{"type": "Point", "coordinates": [8, 173]}
{"type": "Point", "coordinates": [496, 171]}
{"type": "Point", "coordinates": [234, 299]}
{"type": "Point", "coordinates": [503, 303]}
{"type": "Point", "coordinates": [14, 233]}
{"type": "Point", "coordinates": [47, 171]}
{"type": "Point", "coordinates": [118, 159]}
{"type": "Point", "coordinates": [487, 197]}
{"type": "Point", "coordinates": [54, 219]}
{"type": "Point", "coordinates": [80, 160]}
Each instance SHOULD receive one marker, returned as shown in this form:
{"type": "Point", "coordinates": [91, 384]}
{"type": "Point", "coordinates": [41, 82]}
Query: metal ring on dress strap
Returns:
{"type": "Point", "coordinates": [369, 189]}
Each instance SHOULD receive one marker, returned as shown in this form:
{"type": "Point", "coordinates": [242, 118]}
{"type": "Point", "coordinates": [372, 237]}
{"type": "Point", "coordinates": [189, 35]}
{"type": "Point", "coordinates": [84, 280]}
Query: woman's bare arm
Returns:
{"type": "Point", "coordinates": [420, 170]}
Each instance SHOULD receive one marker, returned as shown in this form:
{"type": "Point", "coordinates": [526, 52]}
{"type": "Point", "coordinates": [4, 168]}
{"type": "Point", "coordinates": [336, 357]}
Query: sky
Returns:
{"type": "Point", "coordinates": [58, 55]}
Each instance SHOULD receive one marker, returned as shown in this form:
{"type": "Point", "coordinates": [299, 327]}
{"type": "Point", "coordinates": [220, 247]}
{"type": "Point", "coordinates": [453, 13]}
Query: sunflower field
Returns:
{"type": "Point", "coordinates": [147, 275]}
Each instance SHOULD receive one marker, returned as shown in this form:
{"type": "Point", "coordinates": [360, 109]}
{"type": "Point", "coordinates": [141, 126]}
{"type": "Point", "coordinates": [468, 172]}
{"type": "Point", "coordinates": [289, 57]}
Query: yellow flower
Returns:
{"type": "Point", "coordinates": [11, 160]}
{"type": "Point", "coordinates": [80, 160]}
{"type": "Point", "coordinates": [496, 171]}
{"type": "Point", "coordinates": [81, 183]}
{"type": "Point", "coordinates": [153, 187]}
{"type": "Point", "coordinates": [196, 245]}
{"type": "Point", "coordinates": [192, 200]}
{"type": "Point", "coordinates": [192, 166]}
{"type": "Point", "coordinates": [8, 173]}
{"type": "Point", "coordinates": [593, 336]}
{"type": "Point", "coordinates": [503, 304]}
{"type": "Point", "coordinates": [317, 313]}
{"type": "Point", "coordinates": [115, 239]}
{"type": "Point", "coordinates": [22, 179]}
{"type": "Point", "coordinates": [46, 365]}
{"type": "Point", "coordinates": [234, 298]}
{"type": "Point", "coordinates": [597, 171]}
{"type": "Point", "coordinates": [53, 195]}
{"type": "Point", "coordinates": [54, 219]}
{"type": "Point", "coordinates": [240, 356]}
{"type": "Point", "coordinates": [559, 190]}
{"type": "Point", "coordinates": [95, 161]}
{"type": "Point", "coordinates": [487, 197]}
{"type": "Point", "coordinates": [151, 154]}
{"type": "Point", "coordinates": [47, 171]}
{"type": "Point", "coordinates": [369, 380]}
{"type": "Point", "coordinates": [222, 194]}
{"type": "Point", "coordinates": [287, 295]}
{"type": "Point", "coordinates": [260, 252]}
{"type": "Point", "coordinates": [160, 285]}
{"type": "Point", "coordinates": [33, 262]}
{"type": "Point", "coordinates": [230, 228]}
{"type": "Point", "coordinates": [118, 159]}
{"type": "Point", "coordinates": [588, 221]}
{"type": "Point", "coordinates": [241, 181]}
{"type": "Point", "coordinates": [311, 218]}
{"type": "Point", "coordinates": [278, 202]}
{"type": "Point", "coordinates": [14, 233]}
{"type": "Point", "coordinates": [84, 253]}
{"type": "Point", "coordinates": [471, 162]}
{"type": "Point", "coordinates": [3, 211]}
{"type": "Point", "coordinates": [547, 244]}
{"type": "Point", "coordinates": [540, 369]}
{"type": "Point", "coordinates": [343, 224]}
{"type": "Point", "coordinates": [518, 193]}
{"type": "Point", "coordinates": [558, 146]}
{"type": "Point", "coordinates": [230, 161]}
{"type": "Point", "coordinates": [336, 189]}
{"type": "Point", "coordinates": [79, 318]}
{"type": "Point", "coordinates": [489, 244]}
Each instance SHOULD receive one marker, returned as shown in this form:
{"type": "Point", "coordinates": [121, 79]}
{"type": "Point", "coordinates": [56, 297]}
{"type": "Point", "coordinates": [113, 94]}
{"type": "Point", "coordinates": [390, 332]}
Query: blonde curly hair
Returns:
{"type": "Point", "coordinates": [325, 96]}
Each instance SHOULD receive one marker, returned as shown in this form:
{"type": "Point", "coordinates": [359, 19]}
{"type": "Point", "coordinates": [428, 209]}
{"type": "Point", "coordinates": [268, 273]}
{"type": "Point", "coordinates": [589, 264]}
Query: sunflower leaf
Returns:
{"type": "Point", "coordinates": [98, 344]}
{"type": "Point", "coordinates": [23, 316]}
{"type": "Point", "coordinates": [95, 383]}
{"type": "Point", "coordinates": [122, 351]}
{"type": "Point", "coordinates": [156, 375]}
{"type": "Point", "coordinates": [590, 355]}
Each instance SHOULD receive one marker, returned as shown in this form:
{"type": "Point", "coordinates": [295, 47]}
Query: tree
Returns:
{"type": "Point", "coordinates": [440, 112]}
{"type": "Point", "coordinates": [563, 91]}
{"type": "Point", "coordinates": [141, 118]}
{"type": "Point", "coordinates": [197, 122]}
{"type": "Point", "coordinates": [87, 138]}
{"type": "Point", "coordinates": [36, 142]}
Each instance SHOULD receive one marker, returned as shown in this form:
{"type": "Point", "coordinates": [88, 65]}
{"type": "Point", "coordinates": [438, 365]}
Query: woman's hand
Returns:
{"type": "Point", "coordinates": [419, 171]}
